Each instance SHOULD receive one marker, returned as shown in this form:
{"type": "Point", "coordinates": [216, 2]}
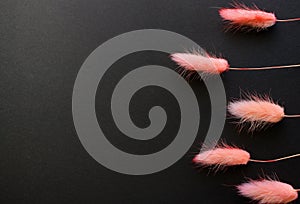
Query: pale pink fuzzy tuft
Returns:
{"type": "Point", "coordinates": [257, 110]}
{"type": "Point", "coordinates": [242, 16]}
{"type": "Point", "coordinates": [222, 156]}
{"type": "Point", "coordinates": [200, 63]}
{"type": "Point", "coordinates": [268, 191]}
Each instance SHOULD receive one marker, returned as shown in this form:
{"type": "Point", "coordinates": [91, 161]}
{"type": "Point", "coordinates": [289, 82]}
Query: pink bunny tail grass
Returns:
{"type": "Point", "coordinates": [222, 156]}
{"type": "Point", "coordinates": [268, 191]}
{"type": "Point", "coordinates": [258, 111]}
{"type": "Point", "coordinates": [198, 62]}
{"type": "Point", "coordinates": [242, 16]}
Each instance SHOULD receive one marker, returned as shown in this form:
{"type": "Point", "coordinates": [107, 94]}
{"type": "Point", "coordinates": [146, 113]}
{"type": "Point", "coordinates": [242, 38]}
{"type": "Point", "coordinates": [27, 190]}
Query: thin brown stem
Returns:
{"type": "Point", "coordinates": [292, 116]}
{"type": "Point", "coordinates": [275, 160]}
{"type": "Point", "coordinates": [288, 20]}
{"type": "Point", "coordinates": [263, 68]}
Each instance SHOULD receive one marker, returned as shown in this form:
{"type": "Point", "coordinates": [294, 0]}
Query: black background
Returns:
{"type": "Point", "coordinates": [43, 44]}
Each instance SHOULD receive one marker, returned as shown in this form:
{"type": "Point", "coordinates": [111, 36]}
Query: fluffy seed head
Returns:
{"type": "Point", "coordinates": [200, 62]}
{"type": "Point", "coordinates": [268, 191]}
{"type": "Point", "coordinates": [242, 16]}
{"type": "Point", "coordinates": [222, 156]}
{"type": "Point", "coordinates": [257, 110]}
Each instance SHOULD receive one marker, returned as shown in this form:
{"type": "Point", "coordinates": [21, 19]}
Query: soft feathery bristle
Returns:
{"type": "Point", "coordinates": [222, 156]}
{"type": "Point", "coordinates": [242, 16]}
{"type": "Point", "coordinates": [258, 111]}
{"type": "Point", "coordinates": [200, 63]}
{"type": "Point", "coordinates": [268, 191]}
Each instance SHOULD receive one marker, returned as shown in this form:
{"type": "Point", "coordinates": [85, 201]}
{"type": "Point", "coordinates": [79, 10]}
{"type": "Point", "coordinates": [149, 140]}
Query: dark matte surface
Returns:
{"type": "Point", "coordinates": [43, 44]}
